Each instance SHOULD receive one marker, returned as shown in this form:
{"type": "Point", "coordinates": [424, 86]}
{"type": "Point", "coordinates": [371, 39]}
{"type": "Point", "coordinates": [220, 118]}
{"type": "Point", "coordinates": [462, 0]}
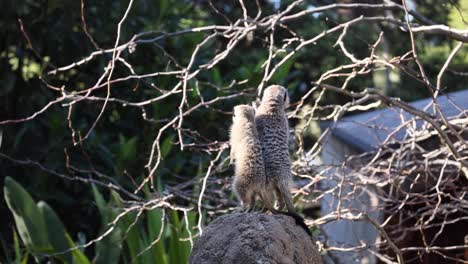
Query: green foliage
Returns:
{"type": "Point", "coordinates": [28, 218]}
{"type": "Point", "coordinates": [43, 233]}
{"type": "Point", "coordinates": [145, 241]}
{"type": "Point", "coordinates": [283, 71]}
{"type": "Point", "coordinates": [19, 255]}
{"type": "Point", "coordinates": [40, 229]}
{"type": "Point", "coordinates": [55, 231]}
{"type": "Point", "coordinates": [457, 20]}
{"type": "Point", "coordinates": [438, 55]}
{"type": "Point", "coordinates": [108, 248]}
{"type": "Point", "coordinates": [135, 241]}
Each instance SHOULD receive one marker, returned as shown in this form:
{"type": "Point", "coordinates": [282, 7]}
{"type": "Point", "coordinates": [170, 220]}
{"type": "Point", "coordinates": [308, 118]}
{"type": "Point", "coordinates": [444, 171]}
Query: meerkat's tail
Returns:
{"type": "Point", "coordinates": [299, 221]}
{"type": "Point", "coordinates": [268, 200]}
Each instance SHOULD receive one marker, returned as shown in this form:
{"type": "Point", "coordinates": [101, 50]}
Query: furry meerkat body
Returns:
{"type": "Point", "coordinates": [273, 129]}
{"type": "Point", "coordinates": [250, 179]}
{"type": "Point", "coordinates": [246, 153]}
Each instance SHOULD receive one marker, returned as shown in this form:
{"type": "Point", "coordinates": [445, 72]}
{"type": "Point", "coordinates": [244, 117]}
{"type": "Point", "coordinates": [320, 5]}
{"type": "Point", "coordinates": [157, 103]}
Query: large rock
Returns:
{"type": "Point", "coordinates": [254, 238]}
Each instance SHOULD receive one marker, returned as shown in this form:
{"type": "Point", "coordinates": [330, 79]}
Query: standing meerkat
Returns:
{"type": "Point", "coordinates": [246, 152]}
{"type": "Point", "coordinates": [273, 130]}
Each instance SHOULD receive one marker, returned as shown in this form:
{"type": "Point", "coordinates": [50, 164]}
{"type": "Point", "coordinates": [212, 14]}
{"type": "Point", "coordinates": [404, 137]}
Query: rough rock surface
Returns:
{"type": "Point", "coordinates": [254, 238]}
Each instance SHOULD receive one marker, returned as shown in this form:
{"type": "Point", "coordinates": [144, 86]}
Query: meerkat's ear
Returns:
{"type": "Point", "coordinates": [285, 96]}
{"type": "Point", "coordinates": [254, 105]}
{"type": "Point", "coordinates": [286, 99]}
{"type": "Point", "coordinates": [254, 111]}
{"type": "Point", "coordinates": [233, 113]}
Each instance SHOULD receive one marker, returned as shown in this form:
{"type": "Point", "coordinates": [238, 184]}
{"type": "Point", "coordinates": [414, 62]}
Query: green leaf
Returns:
{"type": "Point", "coordinates": [283, 70]}
{"type": "Point", "coordinates": [38, 225]}
{"type": "Point", "coordinates": [108, 249]}
{"type": "Point", "coordinates": [216, 75]}
{"type": "Point", "coordinates": [128, 149]}
{"type": "Point", "coordinates": [28, 218]}
{"type": "Point", "coordinates": [78, 256]}
{"type": "Point", "coordinates": [155, 224]}
{"type": "Point", "coordinates": [55, 231]}
{"type": "Point", "coordinates": [163, 4]}
{"type": "Point", "coordinates": [179, 251]}
{"type": "Point", "coordinates": [25, 259]}
{"type": "Point", "coordinates": [167, 145]}
{"type": "Point", "coordinates": [185, 247]}
{"type": "Point", "coordinates": [16, 247]}
{"type": "Point", "coordinates": [101, 204]}
{"type": "Point", "coordinates": [133, 239]}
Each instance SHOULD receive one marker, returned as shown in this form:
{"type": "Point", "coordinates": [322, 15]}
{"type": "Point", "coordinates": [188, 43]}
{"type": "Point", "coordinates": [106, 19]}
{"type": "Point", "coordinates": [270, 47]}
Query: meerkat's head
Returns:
{"type": "Point", "coordinates": [276, 94]}
{"type": "Point", "coordinates": [244, 111]}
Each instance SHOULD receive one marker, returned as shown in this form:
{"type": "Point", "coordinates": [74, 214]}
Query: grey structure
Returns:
{"type": "Point", "coordinates": [273, 130]}
{"type": "Point", "coordinates": [365, 132]}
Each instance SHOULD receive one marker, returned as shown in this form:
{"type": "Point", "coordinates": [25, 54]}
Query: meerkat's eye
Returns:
{"type": "Point", "coordinates": [285, 96]}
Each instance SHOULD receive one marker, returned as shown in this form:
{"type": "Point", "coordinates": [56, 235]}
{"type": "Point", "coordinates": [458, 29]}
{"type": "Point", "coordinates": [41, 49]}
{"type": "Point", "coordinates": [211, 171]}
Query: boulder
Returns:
{"type": "Point", "coordinates": [254, 238]}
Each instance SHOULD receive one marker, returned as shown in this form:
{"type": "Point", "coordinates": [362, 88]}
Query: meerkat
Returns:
{"type": "Point", "coordinates": [246, 151]}
{"type": "Point", "coordinates": [273, 129]}
{"type": "Point", "coordinates": [246, 154]}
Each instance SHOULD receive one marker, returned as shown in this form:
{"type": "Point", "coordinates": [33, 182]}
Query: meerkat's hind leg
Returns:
{"type": "Point", "coordinates": [243, 196]}
{"type": "Point", "coordinates": [250, 207]}
{"type": "Point", "coordinates": [262, 208]}
{"type": "Point", "coordinates": [279, 198]}
{"type": "Point", "coordinates": [240, 209]}
{"type": "Point", "coordinates": [268, 199]}
{"type": "Point", "coordinates": [251, 202]}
